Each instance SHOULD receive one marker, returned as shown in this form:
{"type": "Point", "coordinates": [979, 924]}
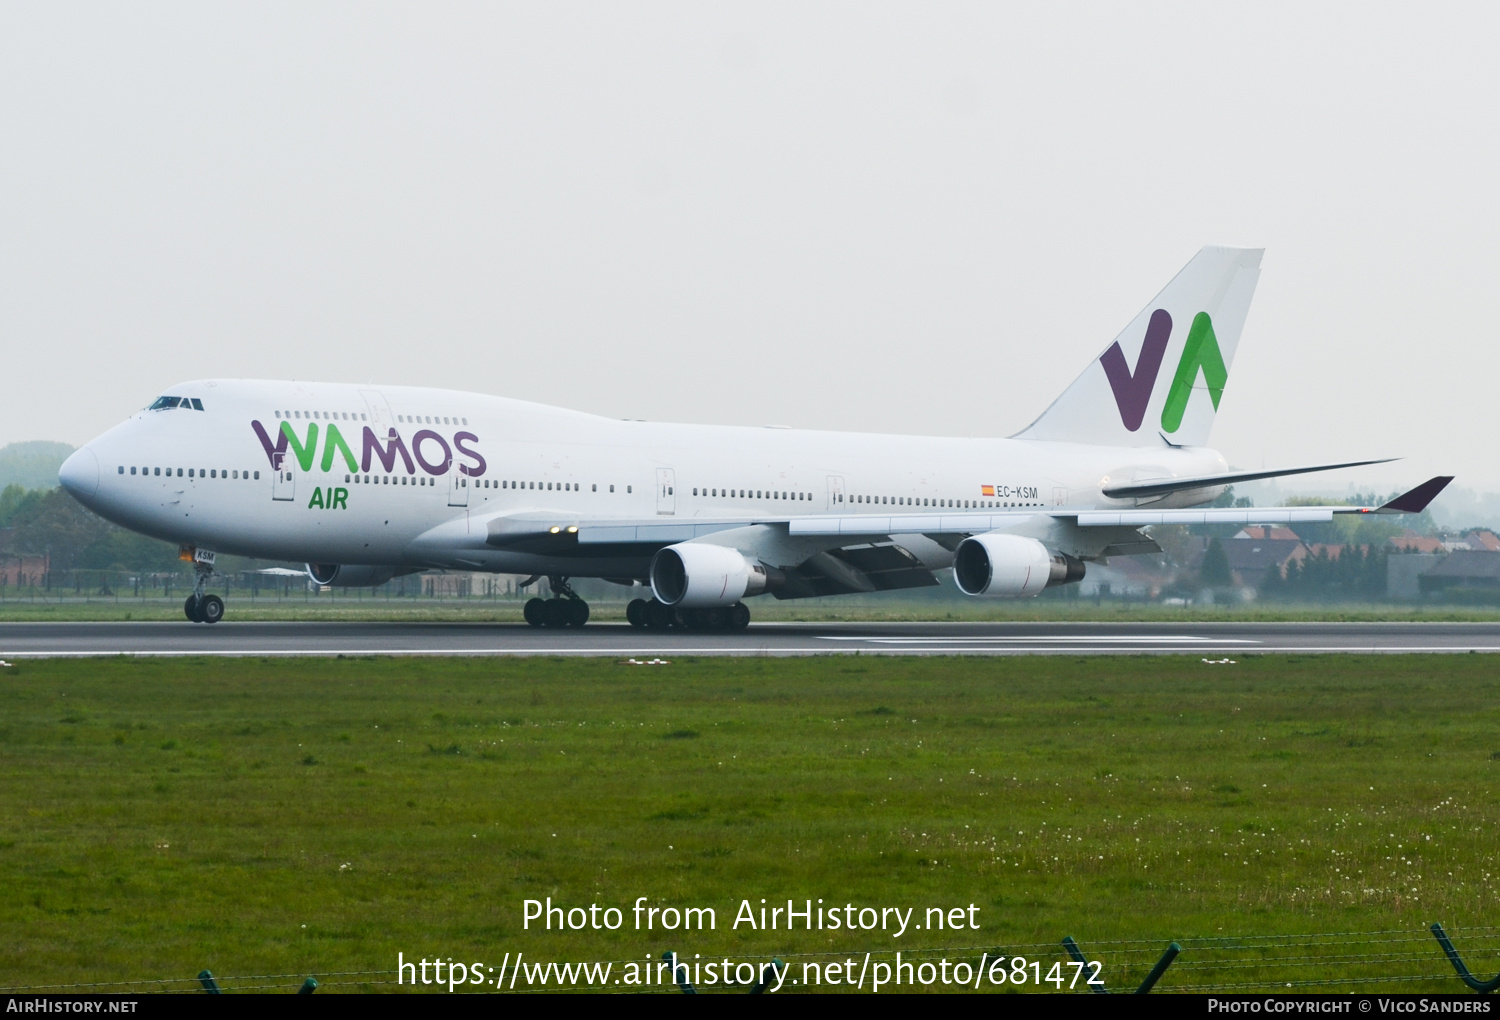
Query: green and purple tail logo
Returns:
{"type": "Point", "coordinates": [1132, 390]}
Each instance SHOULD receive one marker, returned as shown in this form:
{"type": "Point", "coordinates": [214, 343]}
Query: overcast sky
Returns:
{"type": "Point", "coordinates": [888, 217]}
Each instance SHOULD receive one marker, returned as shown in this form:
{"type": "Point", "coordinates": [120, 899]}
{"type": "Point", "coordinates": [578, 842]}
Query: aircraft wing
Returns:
{"type": "Point", "coordinates": [1164, 486]}
{"type": "Point", "coordinates": [548, 527]}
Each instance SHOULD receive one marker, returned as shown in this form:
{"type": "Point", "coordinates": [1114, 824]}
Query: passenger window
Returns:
{"type": "Point", "coordinates": [257, 476]}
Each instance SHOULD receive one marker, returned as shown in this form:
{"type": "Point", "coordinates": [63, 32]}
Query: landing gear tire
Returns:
{"type": "Point", "coordinates": [659, 616]}
{"type": "Point", "coordinates": [212, 610]}
{"type": "Point", "coordinates": [534, 611]}
{"type": "Point", "coordinates": [703, 621]}
{"type": "Point", "coordinates": [555, 613]}
{"type": "Point", "coordinates": [635, 613]}
{"type": "Point", "coordinates": [190, 609]}
{"type": "Point", "coordinates": [577, 612]}
{"type": "Point", "coordinates": [737, 617]}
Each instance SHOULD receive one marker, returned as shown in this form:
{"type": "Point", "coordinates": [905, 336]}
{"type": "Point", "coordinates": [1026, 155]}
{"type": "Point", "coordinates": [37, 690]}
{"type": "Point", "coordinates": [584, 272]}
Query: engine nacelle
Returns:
{"type": "Point", "coordinates": [336, 575]}
{"type": "Point", "coordinates": [1001, 566]}
{"type": "Point", "coordinates": [693, 575]}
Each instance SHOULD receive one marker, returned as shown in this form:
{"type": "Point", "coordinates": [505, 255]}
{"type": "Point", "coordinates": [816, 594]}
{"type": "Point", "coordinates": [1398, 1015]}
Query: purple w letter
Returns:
{"type": "Point", "coordinates": [273, 453]}
{"type": "Point", "coordinates": [1133, 390]}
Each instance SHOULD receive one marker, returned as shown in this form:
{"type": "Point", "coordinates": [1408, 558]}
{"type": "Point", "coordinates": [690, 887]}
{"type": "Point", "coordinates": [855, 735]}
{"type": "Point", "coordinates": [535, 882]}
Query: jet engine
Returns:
{"type": "Point", "coordinates": [697, 576]}
{"type": "Point", "coordinates": [336, 575]}
{"type": "Point", "coordinates": [1001, 566]}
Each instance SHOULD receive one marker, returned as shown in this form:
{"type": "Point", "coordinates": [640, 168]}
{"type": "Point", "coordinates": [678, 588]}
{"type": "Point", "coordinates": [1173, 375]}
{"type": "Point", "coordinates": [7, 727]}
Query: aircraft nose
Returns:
{"type": "Point", "coordinates": [80, 473]}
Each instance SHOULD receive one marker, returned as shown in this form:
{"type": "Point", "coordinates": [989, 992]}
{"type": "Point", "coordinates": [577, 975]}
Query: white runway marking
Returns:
{"type": "Point", "coordinates": [1145, 639]}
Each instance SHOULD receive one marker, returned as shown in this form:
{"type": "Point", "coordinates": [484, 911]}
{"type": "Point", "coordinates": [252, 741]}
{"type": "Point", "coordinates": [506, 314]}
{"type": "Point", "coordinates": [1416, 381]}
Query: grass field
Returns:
{"type": "Point", "coordinates": [318, 816]}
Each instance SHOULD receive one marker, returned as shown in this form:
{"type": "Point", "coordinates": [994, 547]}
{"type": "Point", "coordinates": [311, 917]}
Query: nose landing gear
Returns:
{"type": "Point", "coordinates": [200, 606]}
{"type": "Point", "coordinates": [563, 609]}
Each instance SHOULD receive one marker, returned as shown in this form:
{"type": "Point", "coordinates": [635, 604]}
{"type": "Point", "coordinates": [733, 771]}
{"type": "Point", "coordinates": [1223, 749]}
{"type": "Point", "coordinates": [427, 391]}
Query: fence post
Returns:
{"type": "Point", "coordinates": [1482, 987]}
{"type": "Point", "coordinates": [686, 986]}
{"type": "Point", "coordinates": [763, 985]}
{"type": "Point", "coordinates": [1078, 957]}
{"type": "Point", "coordinates": [1145, 986]}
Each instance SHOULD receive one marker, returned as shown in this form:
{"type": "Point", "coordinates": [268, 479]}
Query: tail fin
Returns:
{"type": "Point", "coordinates": [1191, 329]}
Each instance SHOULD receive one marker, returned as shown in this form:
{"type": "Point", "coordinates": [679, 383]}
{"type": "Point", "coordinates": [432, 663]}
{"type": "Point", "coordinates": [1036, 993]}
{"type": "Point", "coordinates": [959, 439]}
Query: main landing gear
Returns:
{"type": "Point", "coordinates": [201, 607]}
{"type": "Point", "coordinates": [563, 609]}
{"type": "Point", "coordinates": [654, 615]}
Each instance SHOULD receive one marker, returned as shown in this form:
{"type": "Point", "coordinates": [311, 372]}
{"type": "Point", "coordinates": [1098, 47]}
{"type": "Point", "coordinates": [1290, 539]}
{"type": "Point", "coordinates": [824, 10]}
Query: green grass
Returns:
{"type": "Point", "coordinates": [318, 816]}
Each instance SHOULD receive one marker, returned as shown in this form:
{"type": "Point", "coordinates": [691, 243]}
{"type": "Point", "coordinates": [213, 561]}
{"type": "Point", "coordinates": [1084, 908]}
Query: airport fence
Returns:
{"type": "Point", "coordinates": [113, 586]}
{"type": "Point", "coordinates": [1399, 960]}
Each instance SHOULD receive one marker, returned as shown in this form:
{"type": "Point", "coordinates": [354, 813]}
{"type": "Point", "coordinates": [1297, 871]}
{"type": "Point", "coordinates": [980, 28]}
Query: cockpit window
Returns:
{"type": "Point", "coordinates": [186, 403]}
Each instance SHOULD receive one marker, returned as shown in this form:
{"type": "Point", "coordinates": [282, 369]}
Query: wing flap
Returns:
{"type": "Point", "coordinates": [1165, 486]}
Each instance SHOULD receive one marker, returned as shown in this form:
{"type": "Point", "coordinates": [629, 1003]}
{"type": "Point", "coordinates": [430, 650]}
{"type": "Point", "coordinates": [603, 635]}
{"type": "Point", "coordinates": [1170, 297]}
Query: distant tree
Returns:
{"type": "Point", "coordinates": [58, 525]}
{"type": "Point", "coordinates": [1215, 571]}
{"type": "Point", "coordinates": [1273, 586]}
{"type": "Point", "coordinates": [13, 500]}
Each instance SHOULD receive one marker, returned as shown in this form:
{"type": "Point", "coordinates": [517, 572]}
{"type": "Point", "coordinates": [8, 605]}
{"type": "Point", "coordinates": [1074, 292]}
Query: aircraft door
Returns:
{"type": "Point", "coordinates": [381, 418]}
{"type": "Point", "coordinates": [666, 495]}
{"type": "Point", "coordinates": [458, 488]}
{"type": "Point", "coordinates": [835, 493]}
{"type": "Point", "coordinates": [284, 481]}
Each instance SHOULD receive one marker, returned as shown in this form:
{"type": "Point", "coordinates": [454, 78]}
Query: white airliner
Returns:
{"type": "Point", "coordinates": [363, 483]}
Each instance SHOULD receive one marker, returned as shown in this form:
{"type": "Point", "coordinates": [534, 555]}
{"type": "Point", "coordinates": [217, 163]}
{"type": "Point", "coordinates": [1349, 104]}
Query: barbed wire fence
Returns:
{"type": "Point", "coordinates": [1390, 960]}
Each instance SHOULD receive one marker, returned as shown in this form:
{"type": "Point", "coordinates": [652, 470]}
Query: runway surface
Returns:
{"type": "Point", "coordinates": [1208, 640]}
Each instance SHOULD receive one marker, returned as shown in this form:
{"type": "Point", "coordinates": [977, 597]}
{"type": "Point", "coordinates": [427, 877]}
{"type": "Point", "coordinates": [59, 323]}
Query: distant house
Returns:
{"type": "Point", "coordinates": [1412, 542]}
{"type": "Point", "coordinates": [1330, 552]}
{"type": "Point", "coordinates": [1252, 555]}
{"type": "Point", "coordinates": [1471, 570]}
{"type": "Point", "coordinates": [1261, 531]}
{"type": "Point", "coordinates": [1482, 539]}
{"type": "Point", "coordinates": [1403, 574]}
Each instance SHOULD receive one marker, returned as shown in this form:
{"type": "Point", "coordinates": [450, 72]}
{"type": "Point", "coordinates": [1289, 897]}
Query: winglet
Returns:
{"type": "Point", "coordinates": [1415, 501]}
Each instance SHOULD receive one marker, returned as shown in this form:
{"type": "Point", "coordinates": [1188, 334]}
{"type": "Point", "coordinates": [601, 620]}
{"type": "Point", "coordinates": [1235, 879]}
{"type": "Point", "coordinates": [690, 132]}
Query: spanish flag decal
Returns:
{"type": "Point", "coordinates": [986, 490]}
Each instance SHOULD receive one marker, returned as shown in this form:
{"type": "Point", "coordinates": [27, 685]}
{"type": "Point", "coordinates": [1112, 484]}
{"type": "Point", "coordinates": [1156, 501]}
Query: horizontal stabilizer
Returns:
{"type": "Point", "coordinates": [1163, 486]}
{"type": "Point", "coordinates": [1415, 501]}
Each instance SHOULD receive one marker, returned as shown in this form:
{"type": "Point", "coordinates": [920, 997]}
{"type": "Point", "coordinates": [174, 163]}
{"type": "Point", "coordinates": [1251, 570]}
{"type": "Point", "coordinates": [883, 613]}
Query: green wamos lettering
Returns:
{"type": "Point", "coordinates": [317, 500]}
{"type": "Point", "coordinates": [304, 453]}
{"type": "Point", "coordinates": [1200, 352]}
{"type": "Point", "coordinates": [333, 441]}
